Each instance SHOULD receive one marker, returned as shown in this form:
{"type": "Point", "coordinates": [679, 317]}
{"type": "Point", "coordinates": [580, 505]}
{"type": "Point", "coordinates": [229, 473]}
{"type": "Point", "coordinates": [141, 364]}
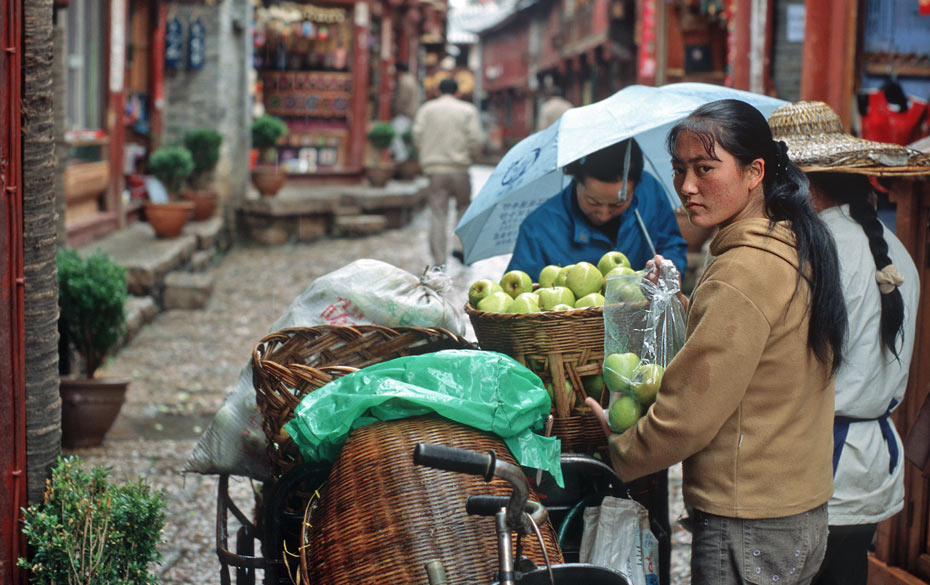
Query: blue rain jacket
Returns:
{"type": "Point", "coordinates": [557, 232]}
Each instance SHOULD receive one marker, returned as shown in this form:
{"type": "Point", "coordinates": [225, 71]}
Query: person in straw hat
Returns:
{"type": "Point", "coordinates": [880, 289]}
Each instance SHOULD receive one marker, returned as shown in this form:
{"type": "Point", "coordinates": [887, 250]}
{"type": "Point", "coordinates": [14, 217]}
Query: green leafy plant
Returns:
{"type": "Point", "coordinates": [407, 137]}
{"type": "Point", "coordinates": [90, 531]}
{"type": "Point", "coordinates": [204, 146]}
{"type": "Point", "coordinates": [266, 131]}
{"type": "Point", "coordinates": [381, 134]}
{"type": "Point", "coordinates": [171, 165]}
{"type": "Point", "coordinates": [91, 294]}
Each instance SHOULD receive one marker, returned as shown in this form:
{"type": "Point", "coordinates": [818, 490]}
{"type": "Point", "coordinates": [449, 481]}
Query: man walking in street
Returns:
{"type": "Point", "coordinates": [447, 134]}
{"type": "Point", "coordinates": [405, 103]}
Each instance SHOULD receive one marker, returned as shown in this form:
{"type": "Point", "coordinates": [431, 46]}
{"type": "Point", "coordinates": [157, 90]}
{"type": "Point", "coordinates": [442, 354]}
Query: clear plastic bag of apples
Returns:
{"type": "Point", "coordinates": [644, 327]}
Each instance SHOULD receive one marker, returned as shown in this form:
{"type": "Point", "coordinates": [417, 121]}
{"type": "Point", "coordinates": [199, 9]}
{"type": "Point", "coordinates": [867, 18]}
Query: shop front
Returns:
{"type": "Point", "coordinates": [310, 61]}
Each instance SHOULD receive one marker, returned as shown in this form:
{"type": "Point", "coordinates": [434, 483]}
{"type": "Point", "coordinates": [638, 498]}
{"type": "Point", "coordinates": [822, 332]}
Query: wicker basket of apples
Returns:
{"type": "Point", "coordinates": [555, 327]}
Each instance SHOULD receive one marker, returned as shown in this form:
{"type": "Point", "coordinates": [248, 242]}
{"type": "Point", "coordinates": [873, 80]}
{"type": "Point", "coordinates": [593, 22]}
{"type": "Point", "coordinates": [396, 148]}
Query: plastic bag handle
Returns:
{"type": "Point", "coordinates": [453, 459]}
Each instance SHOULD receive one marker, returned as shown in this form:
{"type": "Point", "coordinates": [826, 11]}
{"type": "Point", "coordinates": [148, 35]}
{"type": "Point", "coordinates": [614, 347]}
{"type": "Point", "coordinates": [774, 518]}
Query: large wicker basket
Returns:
{"type": "Point", "coordinates": [560, 347]}
{"type": "Point", "coordinates": [380, 518]}
{"type": "Point", "coordinates": [289, 364]}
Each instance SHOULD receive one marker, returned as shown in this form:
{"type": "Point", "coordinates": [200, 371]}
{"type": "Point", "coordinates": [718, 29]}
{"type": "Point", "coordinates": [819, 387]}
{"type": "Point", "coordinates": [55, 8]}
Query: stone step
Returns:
{"type": "Point", "coordinates": [201, 260]}
{"type": "Point", "coordinates": [139, 312]}
{"type": "Point", "coordinates": [187, 290]}
{"type": "Point", "coordinates": [359, 225]}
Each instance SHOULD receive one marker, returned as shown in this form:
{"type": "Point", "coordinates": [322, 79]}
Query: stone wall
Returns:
{"type": "Point", "coordinates": [216, 96]}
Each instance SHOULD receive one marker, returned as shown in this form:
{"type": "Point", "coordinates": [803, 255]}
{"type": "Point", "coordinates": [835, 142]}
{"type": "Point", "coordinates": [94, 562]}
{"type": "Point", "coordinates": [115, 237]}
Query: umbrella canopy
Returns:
{"type": "Point", "coordinates": [530, 172]}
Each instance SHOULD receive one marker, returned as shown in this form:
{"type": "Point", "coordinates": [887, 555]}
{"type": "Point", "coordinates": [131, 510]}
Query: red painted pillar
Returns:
{"type": "Point", "coordinates": [358, 119]}
{"type": "Point", "coordinates": [741, 23]}
{"type": "Point", "coordinates": [386, 66]}
{"type": "Point", "coordinates": [12, 298]}
{"type": "Point", "coordinates": [116, 102]}
{"type": "Point", "coordinates": [828, 55]}
{"type": "Point", "coordinates": [157, 75]}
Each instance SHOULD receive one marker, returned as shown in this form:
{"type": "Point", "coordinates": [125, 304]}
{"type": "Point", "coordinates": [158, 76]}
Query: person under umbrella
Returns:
{"type": "Point", "coordinates": [881, 291]}
{"type": "Point", "coordinates": [593, 215]}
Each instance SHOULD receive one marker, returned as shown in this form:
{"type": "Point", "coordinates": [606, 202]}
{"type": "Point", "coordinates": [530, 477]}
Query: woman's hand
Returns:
{"type": "Point", "coordinates": [652, 274]}
{"type": "Point", "coordinates": [599, 414]}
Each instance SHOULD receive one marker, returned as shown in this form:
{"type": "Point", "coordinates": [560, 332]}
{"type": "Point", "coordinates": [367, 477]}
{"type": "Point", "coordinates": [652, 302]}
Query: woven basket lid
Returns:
{"type": "Point", "coordinates": [817, 142]}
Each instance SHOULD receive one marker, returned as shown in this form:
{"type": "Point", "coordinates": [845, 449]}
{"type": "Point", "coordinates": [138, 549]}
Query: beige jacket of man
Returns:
{"type": "Point", "coordinates": [447, 134]}
{"type": "Point", "coordinates": [552, 109]}
{"type": "Point", "coordinates": [745, 405]}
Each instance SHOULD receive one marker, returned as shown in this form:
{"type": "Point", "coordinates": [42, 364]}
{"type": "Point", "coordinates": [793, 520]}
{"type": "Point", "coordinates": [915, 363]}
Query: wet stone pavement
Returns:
{"type": "Point", "coordinates": [183, 363]}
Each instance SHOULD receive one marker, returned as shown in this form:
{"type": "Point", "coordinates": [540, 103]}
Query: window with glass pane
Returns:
{"type": "Point", "coordinates": [86, 93]}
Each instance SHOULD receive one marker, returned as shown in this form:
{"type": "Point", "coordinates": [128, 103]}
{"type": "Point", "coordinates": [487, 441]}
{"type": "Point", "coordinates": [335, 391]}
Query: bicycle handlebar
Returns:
{"type": "Point", "coordinates": [452, 459]}
{"type": "Point", "coordinates": [488, 466]}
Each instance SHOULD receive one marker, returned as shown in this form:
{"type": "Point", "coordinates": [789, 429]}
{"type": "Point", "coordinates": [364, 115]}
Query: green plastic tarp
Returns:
{"type": "Point", "coordinates": [482, 389]}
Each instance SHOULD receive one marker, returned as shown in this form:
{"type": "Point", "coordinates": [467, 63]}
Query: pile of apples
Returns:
{"type": "Point", "coordinates": [558, 288]}
{"type": "Point", "coordinates": [633, 385]}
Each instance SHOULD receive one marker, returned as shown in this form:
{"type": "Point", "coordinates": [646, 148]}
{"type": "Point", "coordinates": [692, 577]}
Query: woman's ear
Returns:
{"type": "Point", "coordinates": [755, 172]}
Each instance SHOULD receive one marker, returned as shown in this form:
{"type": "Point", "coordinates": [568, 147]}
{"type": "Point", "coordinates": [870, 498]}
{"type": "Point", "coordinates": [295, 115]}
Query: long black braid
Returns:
{"type": "Point", "coordinates": [855, 190]}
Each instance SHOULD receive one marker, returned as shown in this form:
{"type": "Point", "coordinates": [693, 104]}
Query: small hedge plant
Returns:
{"type": "Point", "coordinates": [266, 131]}
{"type": "Point", "coordinates": [381, 134]}
{"type": "Point", "coordinates": [91, 295]}
{"type": "Point", "coordinates": [171, 165]}
{"type": "Point", "coordinates": [90, 531]}
{"type": "Point", "coordinates": [204, 146]}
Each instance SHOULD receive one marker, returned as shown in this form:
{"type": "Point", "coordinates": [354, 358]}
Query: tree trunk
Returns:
{"type": "Point", "coordinates": [40, 234]}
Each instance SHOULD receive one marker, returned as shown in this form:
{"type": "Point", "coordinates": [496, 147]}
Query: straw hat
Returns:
{"type": "Point", "coordinates": [817, 142]}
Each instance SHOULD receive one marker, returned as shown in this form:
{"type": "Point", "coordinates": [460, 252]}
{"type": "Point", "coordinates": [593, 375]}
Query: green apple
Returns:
{"type": "Point", "coordinates": [568, 392]}
{"type": "Point", "coordinates": [646, 381]}
{"type": "Point", "coordinates": [524, 303]}
{"type": "Point", "coordinates": [618, 271]}
{"type": "Point", "coordinates": [496, 302]}
{"type": "Point", "coordinates": [611, 260]}
{"type": "Point", "coordinates": [593, 385]}
{"type": "Point", "coordinates": [480, 289]}
{"type": "Point", "coordinates": [631, 293]}
{"type": "Point", "coordinates": [563, 274]}
{"type": "Point", "coordinates": [623, 413]}
{"type": "Point", "coordinates": [562, 307]}
{"type": "Point", "coordinates": [548, 275]}
{"type": "Point", "coordinates": [618, 370]}
{"type": "Point", "coordinates": [584, 278]}
{"type": "Point", "coordinates": [555, 295]}
{"type": "Point", "coordinates": [595, 299]}
{"type": "Point", "coordinates": [516, 282]}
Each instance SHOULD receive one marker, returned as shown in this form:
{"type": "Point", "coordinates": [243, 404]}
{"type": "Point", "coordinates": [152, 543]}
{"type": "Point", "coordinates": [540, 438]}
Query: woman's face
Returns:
{"type": "Point", "coordinates": [600, 201]}
{"type": "Point", "coordinates": [715, 190]}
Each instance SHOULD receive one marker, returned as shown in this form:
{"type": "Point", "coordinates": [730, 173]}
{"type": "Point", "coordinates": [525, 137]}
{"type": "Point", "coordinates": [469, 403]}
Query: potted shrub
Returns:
{"type": "Point", "coordinates": [380, 135]}
{"type": "Point", "coordinates": [410, 168]}
{"type": "Point", "coordinates": [171, 165]}
{"type": "Point", "coordinates": [91, 321]}
{"type": "Point", "coordinates": [204, 146]}
{"type": "Point", "coordinates": [89, 530]}
{"type": "Point", "coordinates": [267, 176]}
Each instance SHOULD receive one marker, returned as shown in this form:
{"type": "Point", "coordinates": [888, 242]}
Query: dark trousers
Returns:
{"type": "Point", "coordinates": [846, 561]}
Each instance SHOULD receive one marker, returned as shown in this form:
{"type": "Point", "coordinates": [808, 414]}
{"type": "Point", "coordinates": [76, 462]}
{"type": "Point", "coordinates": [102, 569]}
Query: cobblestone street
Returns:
{"type": "Point", "coordinates": [183, 363]}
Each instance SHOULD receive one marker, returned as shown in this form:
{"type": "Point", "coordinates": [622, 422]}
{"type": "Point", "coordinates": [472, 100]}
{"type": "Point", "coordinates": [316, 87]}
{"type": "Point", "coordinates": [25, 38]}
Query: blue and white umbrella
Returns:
{"type": "Point", "coordinates": [531, 171]}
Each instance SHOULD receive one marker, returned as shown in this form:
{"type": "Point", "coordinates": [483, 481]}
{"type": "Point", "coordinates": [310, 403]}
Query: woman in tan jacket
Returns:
{"type": "Point", "coordinates": [747, 404]}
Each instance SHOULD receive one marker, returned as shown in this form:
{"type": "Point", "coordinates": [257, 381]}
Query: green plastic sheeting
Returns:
{"type": "Point", "coordinates": [482, 389]}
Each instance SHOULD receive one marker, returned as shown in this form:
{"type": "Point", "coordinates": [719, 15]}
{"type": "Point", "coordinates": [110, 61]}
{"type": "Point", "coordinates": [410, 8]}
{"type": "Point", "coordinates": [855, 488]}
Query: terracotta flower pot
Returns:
{"type": "Point", "coordinates": [379, 175]}
{"type": "Point", "coordinates": [204, 201]}
{"type": "Point", "coordinates": [168, 219]}
{"type": "Point", "coordinates": [88, 409]}
{"type": "Point", "coordinates": [408, 170]}
{"type": "Point", "coordinates": [268, 181]}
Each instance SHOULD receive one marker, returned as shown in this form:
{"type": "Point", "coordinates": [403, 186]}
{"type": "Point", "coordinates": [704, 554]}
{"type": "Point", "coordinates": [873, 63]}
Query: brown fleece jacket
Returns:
{"type": "Point", "coordinates": [745, 404]}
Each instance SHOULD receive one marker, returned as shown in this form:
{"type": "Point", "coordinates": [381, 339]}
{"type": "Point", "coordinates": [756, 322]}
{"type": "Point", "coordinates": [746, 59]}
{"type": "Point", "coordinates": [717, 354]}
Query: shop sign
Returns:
{"type": "Point", "coordinates": [196, 45]}
{"type": "Point", "coordinates": [174, 44]}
